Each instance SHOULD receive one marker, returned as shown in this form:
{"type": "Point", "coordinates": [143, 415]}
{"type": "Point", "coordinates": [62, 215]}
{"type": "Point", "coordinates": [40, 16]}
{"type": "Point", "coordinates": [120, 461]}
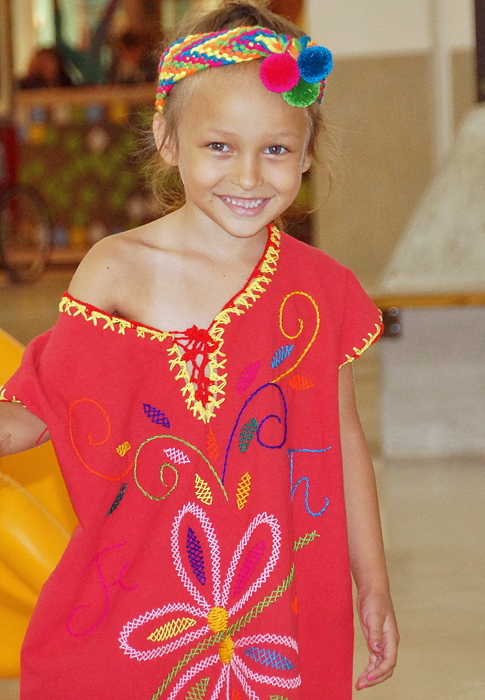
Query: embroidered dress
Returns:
{"type": "Point", "coordinates": [210, 560]}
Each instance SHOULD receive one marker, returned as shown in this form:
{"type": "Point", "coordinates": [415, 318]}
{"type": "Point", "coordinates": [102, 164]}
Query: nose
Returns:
{"type": "Point", "coordinates": [247, 172]}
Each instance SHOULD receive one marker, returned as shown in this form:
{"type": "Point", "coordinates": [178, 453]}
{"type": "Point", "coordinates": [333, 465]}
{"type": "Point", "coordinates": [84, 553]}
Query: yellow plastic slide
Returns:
{"type": "Point", "coordinates": [36, 520]}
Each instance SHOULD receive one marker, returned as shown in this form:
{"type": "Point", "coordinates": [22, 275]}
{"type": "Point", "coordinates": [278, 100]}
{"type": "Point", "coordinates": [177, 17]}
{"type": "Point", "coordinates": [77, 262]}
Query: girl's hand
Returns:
{"type": "Point", "coordinates": [379, 626]}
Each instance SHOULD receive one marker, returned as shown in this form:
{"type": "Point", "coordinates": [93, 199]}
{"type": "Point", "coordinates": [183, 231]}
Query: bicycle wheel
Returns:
{"type": "Point", "coordinates": [25, 233]}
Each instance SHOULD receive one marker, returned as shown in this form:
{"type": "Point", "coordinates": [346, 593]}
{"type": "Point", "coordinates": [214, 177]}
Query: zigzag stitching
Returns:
{"type": "Point", "coordinates": [214, 549]}
{"type": "Point", "coordinates": [243, 490]}
{"type": "Point", "coordinates": [177, 456]}
{"type": "Point", "coordinates": [171, 629]}
{"type": "Point", "coordinates": [250, 563]}
{"type": "Point", "coordinates": [129, 627]}
{"type": "Point", "coordinates": [304, 540]}
{"type": "Point", "coordinates": [367, 343]}
{"type": "Point", "coordinates": [269, 657]}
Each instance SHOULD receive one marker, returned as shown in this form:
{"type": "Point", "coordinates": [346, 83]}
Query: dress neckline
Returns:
{"type": "Point", "coordinates": [195, 354]}
{"type": "Point", "coordinates": [262, 266]}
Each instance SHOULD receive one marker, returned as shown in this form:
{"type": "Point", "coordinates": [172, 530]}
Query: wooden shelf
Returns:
{"type": "Point", "coordinates": [403, 301]}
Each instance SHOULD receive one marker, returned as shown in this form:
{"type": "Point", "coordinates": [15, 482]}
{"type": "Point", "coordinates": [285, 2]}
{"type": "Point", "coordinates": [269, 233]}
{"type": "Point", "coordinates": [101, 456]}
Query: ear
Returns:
{"type": "Point", "coordinates": [165, 147]}
{"type": "Point", "coordinates": [306, 162]}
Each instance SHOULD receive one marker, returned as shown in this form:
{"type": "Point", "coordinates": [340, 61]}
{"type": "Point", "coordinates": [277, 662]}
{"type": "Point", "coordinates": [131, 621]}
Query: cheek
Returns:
{"type": "Point", "coordinates": [288, 179]}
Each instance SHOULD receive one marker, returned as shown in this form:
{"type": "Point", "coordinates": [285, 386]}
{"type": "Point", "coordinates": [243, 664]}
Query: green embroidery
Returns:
{"type": "Point", "coordinates": [247, 433]}
{"type": "Point", "coordinates": [306, 539]}
{"type": "Point", "coordinates": [198, 691]}
{"type": "Point", "coordinates": [172, 467]}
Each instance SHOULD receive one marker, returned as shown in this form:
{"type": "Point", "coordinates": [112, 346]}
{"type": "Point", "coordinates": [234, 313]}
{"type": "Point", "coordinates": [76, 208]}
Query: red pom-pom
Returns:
{"type": "Point", "coordinates": [279, 72]}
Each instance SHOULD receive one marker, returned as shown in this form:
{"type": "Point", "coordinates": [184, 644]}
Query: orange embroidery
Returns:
{"type": "Point", "coordinates": [92, 442]}
{"type": "Point", "coordinates": [212, 445]}
{"type": "Point", "coordinates": [298, 382]}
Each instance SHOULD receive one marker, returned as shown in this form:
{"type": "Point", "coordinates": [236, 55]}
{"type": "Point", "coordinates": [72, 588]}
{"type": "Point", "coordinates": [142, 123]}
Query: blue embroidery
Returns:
{"type": "Point", "coordinates": [268, 657]}
{"type": "Point", "coordinates": [263, 444]}
{"type": "Point", "coordinates": [306, 480]}
{"type": "Point", "coordinates": [281, 354]}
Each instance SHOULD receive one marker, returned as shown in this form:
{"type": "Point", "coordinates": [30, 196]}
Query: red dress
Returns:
{"type": "Point", "coordinates": [211, 556]}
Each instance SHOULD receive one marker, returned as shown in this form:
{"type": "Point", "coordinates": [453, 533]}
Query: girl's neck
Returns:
{"type": "Point", "coordinates": [200, 234]}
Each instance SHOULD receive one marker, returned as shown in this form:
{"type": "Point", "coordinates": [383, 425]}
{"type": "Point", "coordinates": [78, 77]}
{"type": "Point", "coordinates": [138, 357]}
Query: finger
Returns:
{"type": "Point", "coordinates": [379, 679]}
{"type": "Point", "coordinates": [372, 677]}
{"type": "Point", "coordinates": [369, 670]}
{"type": "Point", "coordinates": [374, 638]}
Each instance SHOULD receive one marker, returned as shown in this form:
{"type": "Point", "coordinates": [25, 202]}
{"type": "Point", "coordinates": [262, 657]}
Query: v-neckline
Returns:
{"type": "Point", "coordinates": [202, 407]}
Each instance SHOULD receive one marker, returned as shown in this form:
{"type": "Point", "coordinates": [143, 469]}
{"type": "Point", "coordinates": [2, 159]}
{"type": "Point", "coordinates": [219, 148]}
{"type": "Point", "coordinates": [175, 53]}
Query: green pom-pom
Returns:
{"type": "Point", "coordinates": [303, 94]}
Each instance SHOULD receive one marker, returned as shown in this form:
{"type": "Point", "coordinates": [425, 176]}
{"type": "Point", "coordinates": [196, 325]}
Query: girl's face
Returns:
{"type": "Point", "coordinates": [241, 151]}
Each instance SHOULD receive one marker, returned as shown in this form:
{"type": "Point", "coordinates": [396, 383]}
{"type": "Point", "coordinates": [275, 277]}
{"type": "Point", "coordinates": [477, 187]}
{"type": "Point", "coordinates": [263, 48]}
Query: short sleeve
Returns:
{"type": "Point", "coordinates": [362, 322]}
{"type": "Point", "coordinates": [24, 386]}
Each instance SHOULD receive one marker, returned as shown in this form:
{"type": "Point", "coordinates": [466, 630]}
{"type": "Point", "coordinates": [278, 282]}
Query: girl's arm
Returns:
{"type": "Point", "coordinates": [366, 548]}
{"type": "Point", "coordinates": [19, 429]}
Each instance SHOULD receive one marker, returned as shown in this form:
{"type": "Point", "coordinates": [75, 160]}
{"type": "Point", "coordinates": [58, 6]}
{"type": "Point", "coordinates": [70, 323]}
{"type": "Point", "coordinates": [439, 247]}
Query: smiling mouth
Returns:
{"type": "Point", "coordinates": [245, 206]}
{"type": "Point", "coordinates": [244, 203]}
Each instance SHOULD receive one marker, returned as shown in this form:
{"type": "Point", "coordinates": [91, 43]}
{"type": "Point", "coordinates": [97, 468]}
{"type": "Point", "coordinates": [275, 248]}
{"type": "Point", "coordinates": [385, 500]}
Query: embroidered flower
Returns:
{"type": "Point", "coordinates": [213, 619]}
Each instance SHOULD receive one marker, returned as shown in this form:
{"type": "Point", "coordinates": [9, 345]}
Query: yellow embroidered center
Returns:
{"type": "Point", "coordinates": [217, 621]}
{"type": "Point", "coordinates": [226, 650]}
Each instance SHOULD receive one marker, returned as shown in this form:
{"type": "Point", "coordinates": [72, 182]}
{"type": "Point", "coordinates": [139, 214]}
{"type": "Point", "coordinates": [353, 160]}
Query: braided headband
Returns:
{"type": "Point", "coordinates": [296, 68]}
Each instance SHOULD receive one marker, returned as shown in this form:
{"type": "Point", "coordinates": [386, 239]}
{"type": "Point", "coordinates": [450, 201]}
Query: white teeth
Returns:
{"type": "Point", "coordinates": [245, 203]}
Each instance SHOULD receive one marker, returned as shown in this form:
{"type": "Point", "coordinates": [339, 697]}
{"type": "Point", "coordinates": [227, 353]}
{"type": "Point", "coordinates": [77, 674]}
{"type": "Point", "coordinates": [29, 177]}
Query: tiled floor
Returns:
{"type": "Point", "coordinates": [434, 525]}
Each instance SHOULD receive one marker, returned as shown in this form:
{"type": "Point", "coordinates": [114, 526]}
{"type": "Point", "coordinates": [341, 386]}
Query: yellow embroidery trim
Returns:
{"type": "Point", "coordinates": [4, 398]}
{"type": "Point", "coordinates": [217, 359]}
{"type": "Point", "coordinates": [75, 308]}
{"type": "Point", "coordinates": [367, 343]}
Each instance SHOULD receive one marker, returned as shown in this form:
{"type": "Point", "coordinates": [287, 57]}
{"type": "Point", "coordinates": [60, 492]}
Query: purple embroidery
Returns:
{"type": "Point", "coordinates": [156, 416]}
{"type": "Point", "coordinates": [196, 556]}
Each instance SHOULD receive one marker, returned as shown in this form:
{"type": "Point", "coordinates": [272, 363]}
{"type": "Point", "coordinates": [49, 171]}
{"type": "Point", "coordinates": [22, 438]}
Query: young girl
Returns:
{"type": "Point", "coordinates": [198, 390]}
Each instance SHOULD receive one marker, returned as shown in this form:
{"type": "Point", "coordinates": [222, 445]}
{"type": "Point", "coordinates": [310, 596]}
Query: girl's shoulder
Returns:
{"type": "Point", "coordinates": [108, 266]}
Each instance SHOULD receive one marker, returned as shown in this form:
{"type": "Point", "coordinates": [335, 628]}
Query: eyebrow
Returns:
{"type": "Point", "coordinates": [271, 135]}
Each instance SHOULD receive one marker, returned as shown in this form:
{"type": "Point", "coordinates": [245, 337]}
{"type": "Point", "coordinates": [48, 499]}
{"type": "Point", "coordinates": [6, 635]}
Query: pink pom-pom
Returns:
{"type": "Point", "coordinates": [279, 72]}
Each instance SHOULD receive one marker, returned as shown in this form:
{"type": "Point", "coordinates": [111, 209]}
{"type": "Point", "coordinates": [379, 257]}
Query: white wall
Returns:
{"type": "Point", "coordinates": [433, 384]}
{"type": "Point", "coordinates": [366, 27]}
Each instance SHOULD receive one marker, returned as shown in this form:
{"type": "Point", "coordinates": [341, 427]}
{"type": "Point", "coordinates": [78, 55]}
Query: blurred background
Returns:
{"type": "Point", "coordinates": [404, 208]}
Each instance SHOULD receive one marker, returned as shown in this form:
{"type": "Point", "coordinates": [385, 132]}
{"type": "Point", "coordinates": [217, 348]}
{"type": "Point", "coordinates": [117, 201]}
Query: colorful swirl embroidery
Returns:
{"type": "Point", "coordinates": [300, 329]}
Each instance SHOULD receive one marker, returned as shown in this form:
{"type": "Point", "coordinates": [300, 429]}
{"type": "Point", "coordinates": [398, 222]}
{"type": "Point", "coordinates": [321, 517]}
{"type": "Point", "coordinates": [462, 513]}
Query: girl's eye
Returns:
{"type": "Point", "coordinates": [218, 146]}
{"type": "Point", "coordinates": [276, 150]}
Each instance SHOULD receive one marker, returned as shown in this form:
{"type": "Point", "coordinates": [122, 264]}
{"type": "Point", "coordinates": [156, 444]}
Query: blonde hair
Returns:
{"type": "Point", "coordinates": [164, 179]}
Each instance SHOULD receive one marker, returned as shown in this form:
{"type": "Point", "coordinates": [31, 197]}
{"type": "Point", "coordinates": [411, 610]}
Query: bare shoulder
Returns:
{"type": "Point", "coordinates": [98, 269]}
{"type": "Point", "coordinates": [109, 268]}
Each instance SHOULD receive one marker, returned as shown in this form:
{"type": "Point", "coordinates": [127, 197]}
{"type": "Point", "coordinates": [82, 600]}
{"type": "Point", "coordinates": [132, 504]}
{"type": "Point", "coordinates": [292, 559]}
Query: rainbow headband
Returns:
{"type": "Point", "coordinates": [296, 68]}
